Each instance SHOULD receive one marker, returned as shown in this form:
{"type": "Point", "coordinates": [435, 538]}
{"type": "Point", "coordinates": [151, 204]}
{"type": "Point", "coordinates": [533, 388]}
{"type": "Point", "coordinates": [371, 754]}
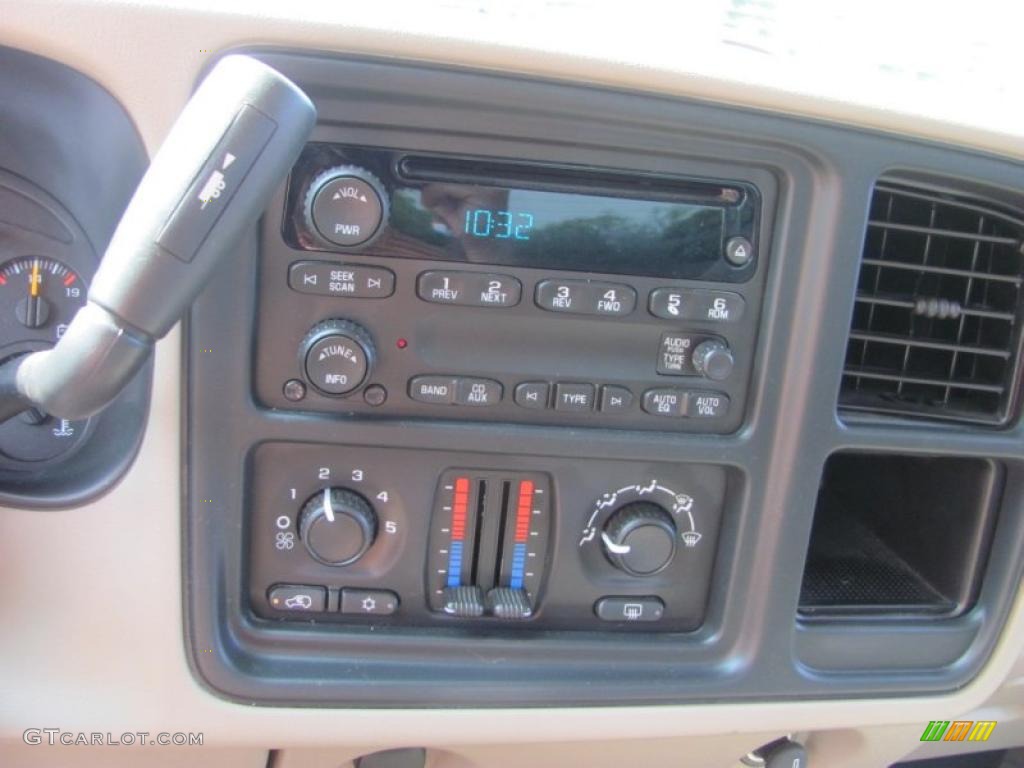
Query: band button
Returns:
{"type": "Point", "coordinates": [439, 390]}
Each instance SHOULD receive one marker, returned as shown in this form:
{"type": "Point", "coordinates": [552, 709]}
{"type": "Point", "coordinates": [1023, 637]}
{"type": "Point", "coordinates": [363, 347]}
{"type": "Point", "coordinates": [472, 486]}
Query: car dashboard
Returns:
{"type": "Point", "coordinates": [566, 401]}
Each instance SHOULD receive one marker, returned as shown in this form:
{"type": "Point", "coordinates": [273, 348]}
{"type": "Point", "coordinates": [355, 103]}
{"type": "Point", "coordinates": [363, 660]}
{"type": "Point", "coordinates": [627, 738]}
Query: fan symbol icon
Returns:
{"type": "Point", "coordinates": [369, 604]}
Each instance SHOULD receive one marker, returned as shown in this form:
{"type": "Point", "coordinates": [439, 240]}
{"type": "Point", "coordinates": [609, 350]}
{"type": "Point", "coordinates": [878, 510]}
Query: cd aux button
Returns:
{"type": "Point", "coordinates": [469, 289]}
{"type": "Point", "coordinates": [477, 391]}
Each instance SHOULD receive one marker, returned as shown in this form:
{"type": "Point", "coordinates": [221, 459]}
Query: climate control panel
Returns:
{"type": "Point", "coordinates": [400, 537]}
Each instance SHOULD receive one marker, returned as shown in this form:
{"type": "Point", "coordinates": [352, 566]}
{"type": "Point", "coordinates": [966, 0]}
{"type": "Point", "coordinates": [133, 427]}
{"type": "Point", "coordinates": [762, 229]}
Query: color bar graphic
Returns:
{"type": "Point", "coordinates": [460, 507]}
{"type": "Point", "coordinates": [522, 533]}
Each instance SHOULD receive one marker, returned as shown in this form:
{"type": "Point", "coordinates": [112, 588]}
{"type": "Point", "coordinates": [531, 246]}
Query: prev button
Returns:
{"type": "Point", "coordinates": [470, 289]}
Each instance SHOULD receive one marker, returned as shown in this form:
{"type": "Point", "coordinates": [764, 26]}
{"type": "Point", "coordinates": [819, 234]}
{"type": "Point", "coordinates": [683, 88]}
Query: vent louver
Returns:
{"type": "Point", "coordinates": [935, 328]}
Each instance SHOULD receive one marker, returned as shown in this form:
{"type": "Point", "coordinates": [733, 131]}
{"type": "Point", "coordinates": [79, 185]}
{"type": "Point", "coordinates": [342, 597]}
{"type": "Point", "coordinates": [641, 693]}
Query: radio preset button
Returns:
{"type": "Point", "coordinates": [324, 278]}
{"type": "Point", "coordinates": [697, 304]}
{"type": "Point", "coordinates": [715, 306]}
{"type": "Point", "coordinates": [532, 394]}
{"type": "Point", "coordinates": [665, 402]}
{"type": "Point", "coordinates": [574, 397]}
{"type": "Point", "coordinates": [707, 405]}
{"type": "Point", "coordinates": [615, 399]}
{"type": "Point", "coordinates": [439, 390]}
{"type": "Point", "coordinates": [586, 297]}
{"type": "Point", "coordinates": [469, 289]}
{"type": "Point", "coordinates": [477, 391]}
{"type": "Point", "coordinates": [669, 303]}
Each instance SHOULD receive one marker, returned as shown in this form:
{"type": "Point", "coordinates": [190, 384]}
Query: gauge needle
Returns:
{"type": "Point", "coordinates": [33, 289]}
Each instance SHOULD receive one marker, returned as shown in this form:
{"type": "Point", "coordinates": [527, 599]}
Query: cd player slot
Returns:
{"type": "Point", "coordinates": [423, 168]}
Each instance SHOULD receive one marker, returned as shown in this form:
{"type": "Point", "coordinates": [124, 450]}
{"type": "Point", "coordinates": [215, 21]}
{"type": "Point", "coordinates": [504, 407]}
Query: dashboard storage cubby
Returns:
{"type": "Point", "coordinates": [899, 535]}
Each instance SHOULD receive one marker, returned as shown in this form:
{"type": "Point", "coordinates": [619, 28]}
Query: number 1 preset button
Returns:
{"type": "Point", "coordinates": [586, 297]}
{"type": "Point", "coordinates": [468, 289]}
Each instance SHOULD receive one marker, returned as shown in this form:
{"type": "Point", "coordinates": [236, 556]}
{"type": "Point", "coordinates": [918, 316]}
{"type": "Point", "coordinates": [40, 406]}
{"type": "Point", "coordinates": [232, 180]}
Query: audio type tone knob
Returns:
{"type": "Point", "coordinates": [640, 538]}
{"type": "Point", "coordinates": [337, 356]}
{"type": "Point", "coordinates": [713, 360]}
{"type": "Point", "coordinates": [346, 206]}
{"type": "Point", "coordinates": [337, 526]}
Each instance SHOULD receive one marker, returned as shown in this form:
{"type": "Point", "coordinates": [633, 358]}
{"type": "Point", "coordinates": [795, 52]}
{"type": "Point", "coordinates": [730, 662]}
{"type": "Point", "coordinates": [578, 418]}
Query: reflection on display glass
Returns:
{"type": "Point", "coordinates": [557, 230]}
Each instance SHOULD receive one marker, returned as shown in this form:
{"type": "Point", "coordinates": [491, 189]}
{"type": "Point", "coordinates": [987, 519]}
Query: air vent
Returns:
{"type": "Point", "coordinates": [935, 329]}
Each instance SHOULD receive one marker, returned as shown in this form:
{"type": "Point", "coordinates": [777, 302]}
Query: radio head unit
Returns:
{"type": "Point", "coordinates": [412, 285]}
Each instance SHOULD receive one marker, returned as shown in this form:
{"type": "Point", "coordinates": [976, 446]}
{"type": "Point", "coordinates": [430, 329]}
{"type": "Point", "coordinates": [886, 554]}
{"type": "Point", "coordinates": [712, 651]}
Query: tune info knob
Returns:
{"type": "Point", "coordinates": [640, 538]}
{"type": "Point", "coordinates": [337, 526]}
{"type": "Point", "coordinates": [713, 359]}
{"type": "Point", "coordinates": [346, 206]}
{"type": "Point", "coordinates": [337, 356]}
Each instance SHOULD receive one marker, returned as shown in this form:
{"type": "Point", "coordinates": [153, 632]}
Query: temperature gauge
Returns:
{"type": "Point", "coordinates": [38, 298]}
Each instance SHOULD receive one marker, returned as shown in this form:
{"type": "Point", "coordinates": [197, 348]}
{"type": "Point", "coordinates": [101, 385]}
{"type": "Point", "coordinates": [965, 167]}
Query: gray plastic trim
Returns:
{"type": "Point", "coordinates": [751, 645]}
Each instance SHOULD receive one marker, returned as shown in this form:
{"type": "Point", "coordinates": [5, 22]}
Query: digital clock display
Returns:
{"type": "Point", "coordinates": [501, 225]}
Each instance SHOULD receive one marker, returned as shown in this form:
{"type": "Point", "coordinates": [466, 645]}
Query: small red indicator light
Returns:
{"type": "Point", "coordinates": [401, 343]}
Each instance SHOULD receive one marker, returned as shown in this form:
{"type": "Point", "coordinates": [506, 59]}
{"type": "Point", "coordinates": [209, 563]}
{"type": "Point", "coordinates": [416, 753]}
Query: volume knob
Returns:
{"type": "Point", "coordinates": [346, 206]}
{"type": "Point", "coordinates": [337, 356]}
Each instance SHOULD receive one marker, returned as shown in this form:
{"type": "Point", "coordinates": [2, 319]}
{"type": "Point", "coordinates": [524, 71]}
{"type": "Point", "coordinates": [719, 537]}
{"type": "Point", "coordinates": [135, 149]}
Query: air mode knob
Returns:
{"type": "Point", "coordinates": [346, 206]}
{"type": "Point", "coordinates": [337, 356]}
{"type": "Point", "coordinates": [640, 538]}
{"type": "Point", "coordinates": [337, 526]}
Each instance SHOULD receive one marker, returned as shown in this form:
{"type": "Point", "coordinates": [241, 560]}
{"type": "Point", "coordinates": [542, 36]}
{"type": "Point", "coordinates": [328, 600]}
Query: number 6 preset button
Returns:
{"type": "Point", "coordinates": [468, 289]}
{"type": "Point", "coordinates": [586, 297]}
